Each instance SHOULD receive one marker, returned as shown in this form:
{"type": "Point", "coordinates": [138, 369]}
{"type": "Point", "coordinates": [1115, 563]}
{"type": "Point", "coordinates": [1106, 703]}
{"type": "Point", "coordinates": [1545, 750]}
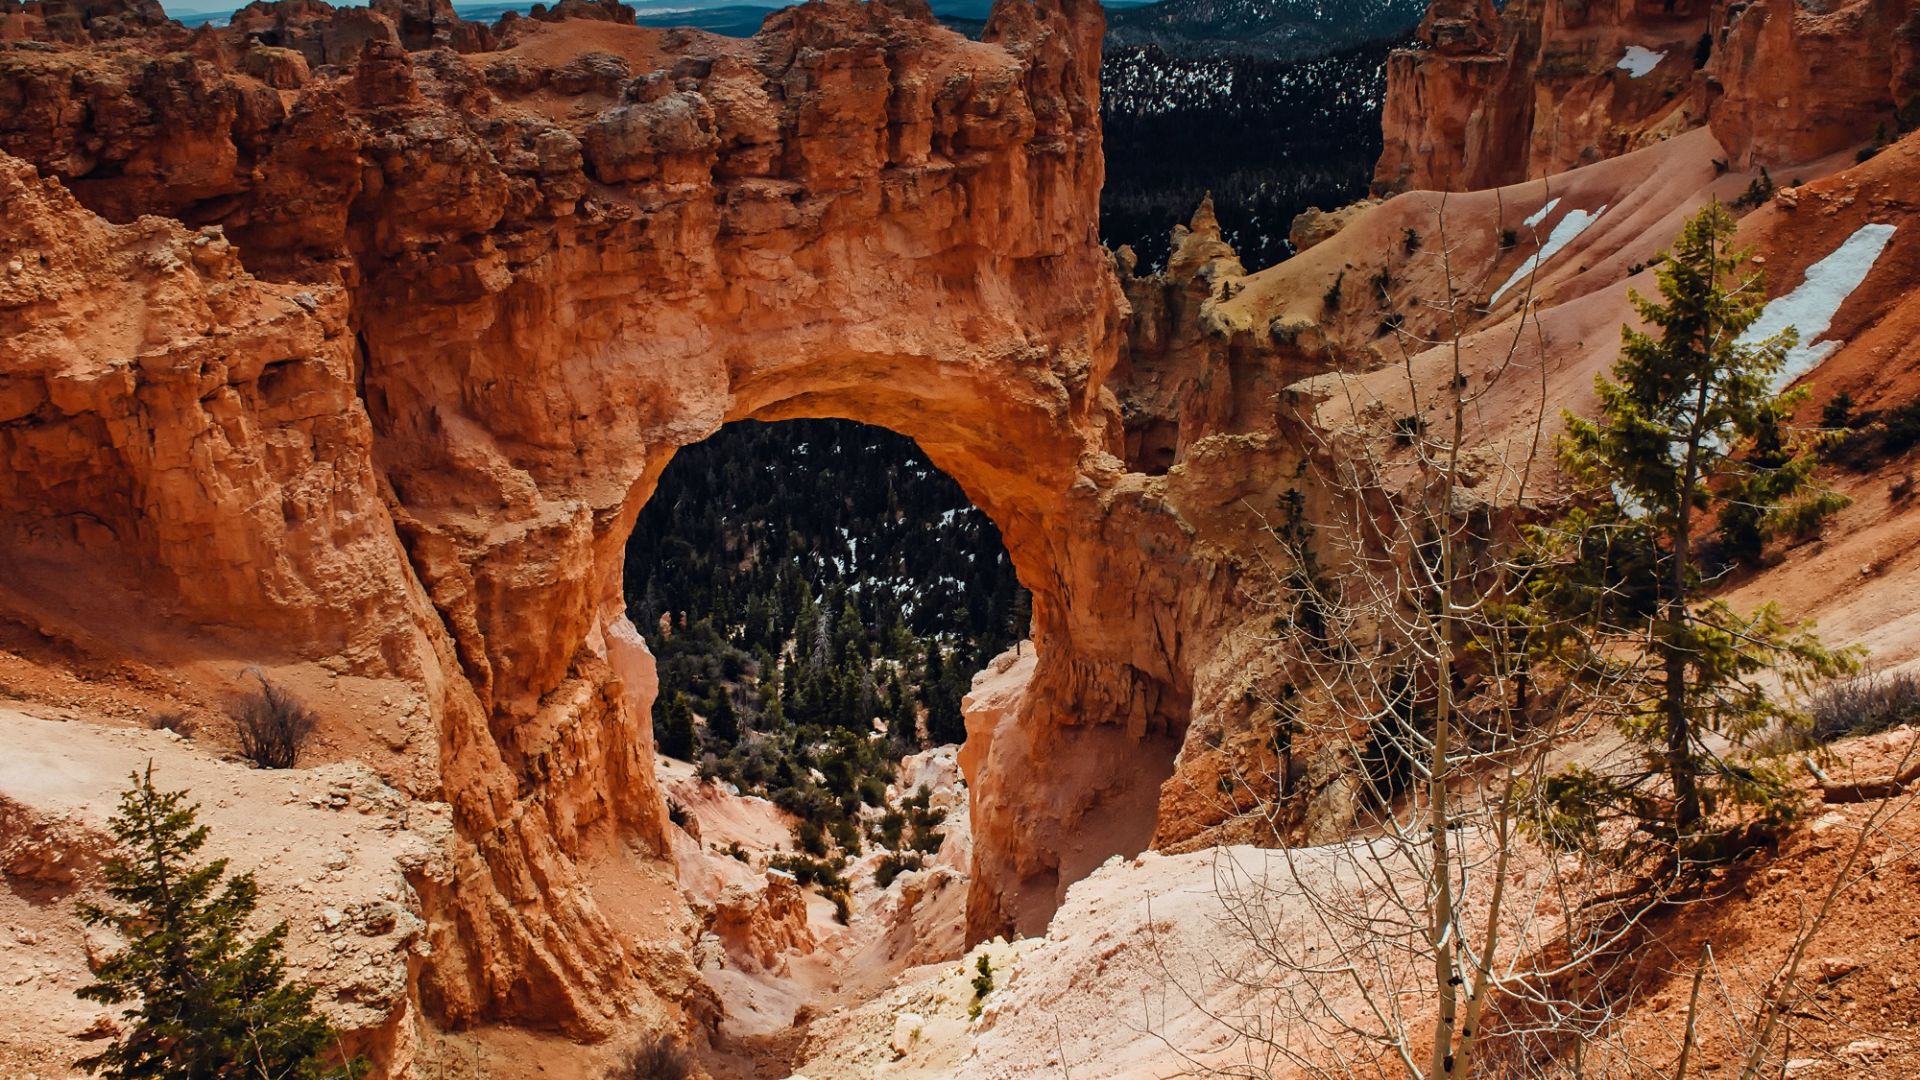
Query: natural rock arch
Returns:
{"type": "Point", "coordinates": [951, 289]}
{"type": "Point", "coordinates": [489, 295]}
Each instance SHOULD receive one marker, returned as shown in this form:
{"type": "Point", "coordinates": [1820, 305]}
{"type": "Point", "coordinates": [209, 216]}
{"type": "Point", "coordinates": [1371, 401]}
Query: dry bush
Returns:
{"type": "Point", "coordinates": [657, 1058]}
{"type": "Point", "coordinates": [1872, 703]}
{"type": "Point", "coordinates": [174, 720]}
{"type": "Point", "coordinates": [273, 725]}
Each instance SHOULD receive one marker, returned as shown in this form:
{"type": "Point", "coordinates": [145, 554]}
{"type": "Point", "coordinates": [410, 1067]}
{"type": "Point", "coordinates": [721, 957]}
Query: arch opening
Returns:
{"type": "Point", "coordinates": [804, 582]}
{"type": "Point", "coordinates": [1060, 722]}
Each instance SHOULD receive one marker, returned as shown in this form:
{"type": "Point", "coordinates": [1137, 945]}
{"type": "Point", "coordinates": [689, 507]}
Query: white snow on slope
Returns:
{"type": "Point", "coordinates": [1811, 307]}
{"type": "Point", "coordinates": [1640, 60]}
{"type": "Point", "coordinates": [1540, 215]}
{"type": "Point", "coordinates": [1565, 233]}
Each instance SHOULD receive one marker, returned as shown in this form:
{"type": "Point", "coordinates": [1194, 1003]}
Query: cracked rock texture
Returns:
{"type": "Point", "coordinates": [1541, 86]}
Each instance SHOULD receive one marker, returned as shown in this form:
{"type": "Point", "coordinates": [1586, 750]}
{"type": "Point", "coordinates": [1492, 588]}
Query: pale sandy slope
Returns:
{"type": "Point", "coordinates": [329, 846]}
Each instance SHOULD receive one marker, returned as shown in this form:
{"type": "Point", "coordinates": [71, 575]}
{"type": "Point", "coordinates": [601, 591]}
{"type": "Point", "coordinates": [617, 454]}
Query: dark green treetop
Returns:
{"type": "Point", "coordinates": [204, 1000]}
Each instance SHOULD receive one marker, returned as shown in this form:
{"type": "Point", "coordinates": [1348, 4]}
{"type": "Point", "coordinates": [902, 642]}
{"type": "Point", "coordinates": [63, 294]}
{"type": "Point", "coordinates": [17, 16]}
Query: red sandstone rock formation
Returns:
{"type": "Point", "coordinates": [389, 394]}
{"type": "Point", "coordinates": [759, 927]}
{"type": "Point", "coordinates": [1546, 85]}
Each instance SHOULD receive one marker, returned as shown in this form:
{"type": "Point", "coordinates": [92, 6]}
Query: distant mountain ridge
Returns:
{"type": "Point", "coordinates": [730, 18]}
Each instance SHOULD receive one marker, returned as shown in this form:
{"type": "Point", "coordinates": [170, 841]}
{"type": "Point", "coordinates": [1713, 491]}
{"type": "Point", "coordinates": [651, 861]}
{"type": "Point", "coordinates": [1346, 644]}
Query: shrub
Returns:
{"type": "Point", "coordinates": [1902, 428]}
{"type": "Point", "coordinates": [982, 985]}
{"type": "Point", "coordinates": [658, 1058]}
{"type": "Point", "coordinates": [803, 869]}
{"type": "Point", "coordinates": [174, 720]}
{"type": "Point", "coordinates": [925, 820]}
{"type": "Point", "coordinates": [808, 871]}
{"type": "Point", "coordinates": [846, 836]}
{"type": "Point", "coordinates": [1410, 240]}
{"type": "Point", "coordinates": [1871, 703]}
{"type": "Point", "coordinates": [1407, 430]}
{"type": "Point", "coordinates": [811, 838]}
{"type": "Point", "coordinates": [1837, 413]}
{"type": "Point", "coordinates": [1757, 193]}
{"type": "Point", "coordinates": [1383, 286]}
{"type": "Point", "coordinates": [927, 837]}
{"type": "Point", "coordinates": [891, 826]}
{"type": "Point", "coordinates": [893, 865]}
{"type": "Point", "coordinates": [273, 726]}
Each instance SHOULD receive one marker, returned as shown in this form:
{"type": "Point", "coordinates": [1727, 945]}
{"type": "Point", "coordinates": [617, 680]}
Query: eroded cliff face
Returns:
{"type": "Point", "coordinates": [387, 392]}
{"type": "Point", "coordinates": [1542, 86]}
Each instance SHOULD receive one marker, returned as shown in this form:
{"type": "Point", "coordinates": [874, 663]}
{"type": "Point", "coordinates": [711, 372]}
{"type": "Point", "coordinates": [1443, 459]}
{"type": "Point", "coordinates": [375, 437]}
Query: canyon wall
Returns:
{"type": "Point", "coordinates": [1495, 97]}
{"type": "Point", "coordinates": [357, 339]}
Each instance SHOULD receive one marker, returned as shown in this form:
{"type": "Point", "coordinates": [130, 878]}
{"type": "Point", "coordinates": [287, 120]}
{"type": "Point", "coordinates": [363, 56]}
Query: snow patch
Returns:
{"type": "Point", "coordinates": [1810, 308]}
{"type": "Point", "coordinates": [1540, 215]}
{"type": "Point", "coordinates": [1640, 61]}
{"type": "Point", "coordinates": [1568, 230]}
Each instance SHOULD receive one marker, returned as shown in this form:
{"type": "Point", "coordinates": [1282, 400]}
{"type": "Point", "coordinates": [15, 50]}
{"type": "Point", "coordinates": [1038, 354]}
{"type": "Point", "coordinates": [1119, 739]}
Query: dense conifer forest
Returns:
{"type": "Point", "coordinates": [1273, 105]}
{"type": "Point", "coordinates": [1269, 138]}
{"type": "Point", "coordinates": [817, 597]}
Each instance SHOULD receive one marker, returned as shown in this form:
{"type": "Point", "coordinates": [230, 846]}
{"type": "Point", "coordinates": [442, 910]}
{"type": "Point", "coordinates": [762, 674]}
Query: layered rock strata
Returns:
{"type": "Point", "coordinates": [1495, 97]}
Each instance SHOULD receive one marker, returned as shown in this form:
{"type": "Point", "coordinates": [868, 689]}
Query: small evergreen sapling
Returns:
{"type": "Point", "coordinates": [982, 986]}
{"type": "Point", "coordinates": [203, 1000]}
{"type": "Point", "coordinates": [1690, 428]}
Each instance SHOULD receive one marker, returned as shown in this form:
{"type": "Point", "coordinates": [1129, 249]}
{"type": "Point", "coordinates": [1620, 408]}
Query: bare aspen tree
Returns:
{"type": "Point", "coordinates": [1453, 921]}
{"type": "Point", "coordinates": [1436, 940]}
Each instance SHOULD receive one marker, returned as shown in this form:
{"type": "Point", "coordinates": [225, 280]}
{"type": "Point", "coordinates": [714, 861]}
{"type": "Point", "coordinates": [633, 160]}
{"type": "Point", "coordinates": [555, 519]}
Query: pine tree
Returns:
{"type": "Point", "coordinates": [203, 1000]}
{"type": "Point", "coordinates": [1689, 425]}
{"type": "Point", "coordinates": [723, 724]}
{"type": "Point", "coordinates": [674, 732]}
{"type": "Point", "coordinates": [1020, 615]}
